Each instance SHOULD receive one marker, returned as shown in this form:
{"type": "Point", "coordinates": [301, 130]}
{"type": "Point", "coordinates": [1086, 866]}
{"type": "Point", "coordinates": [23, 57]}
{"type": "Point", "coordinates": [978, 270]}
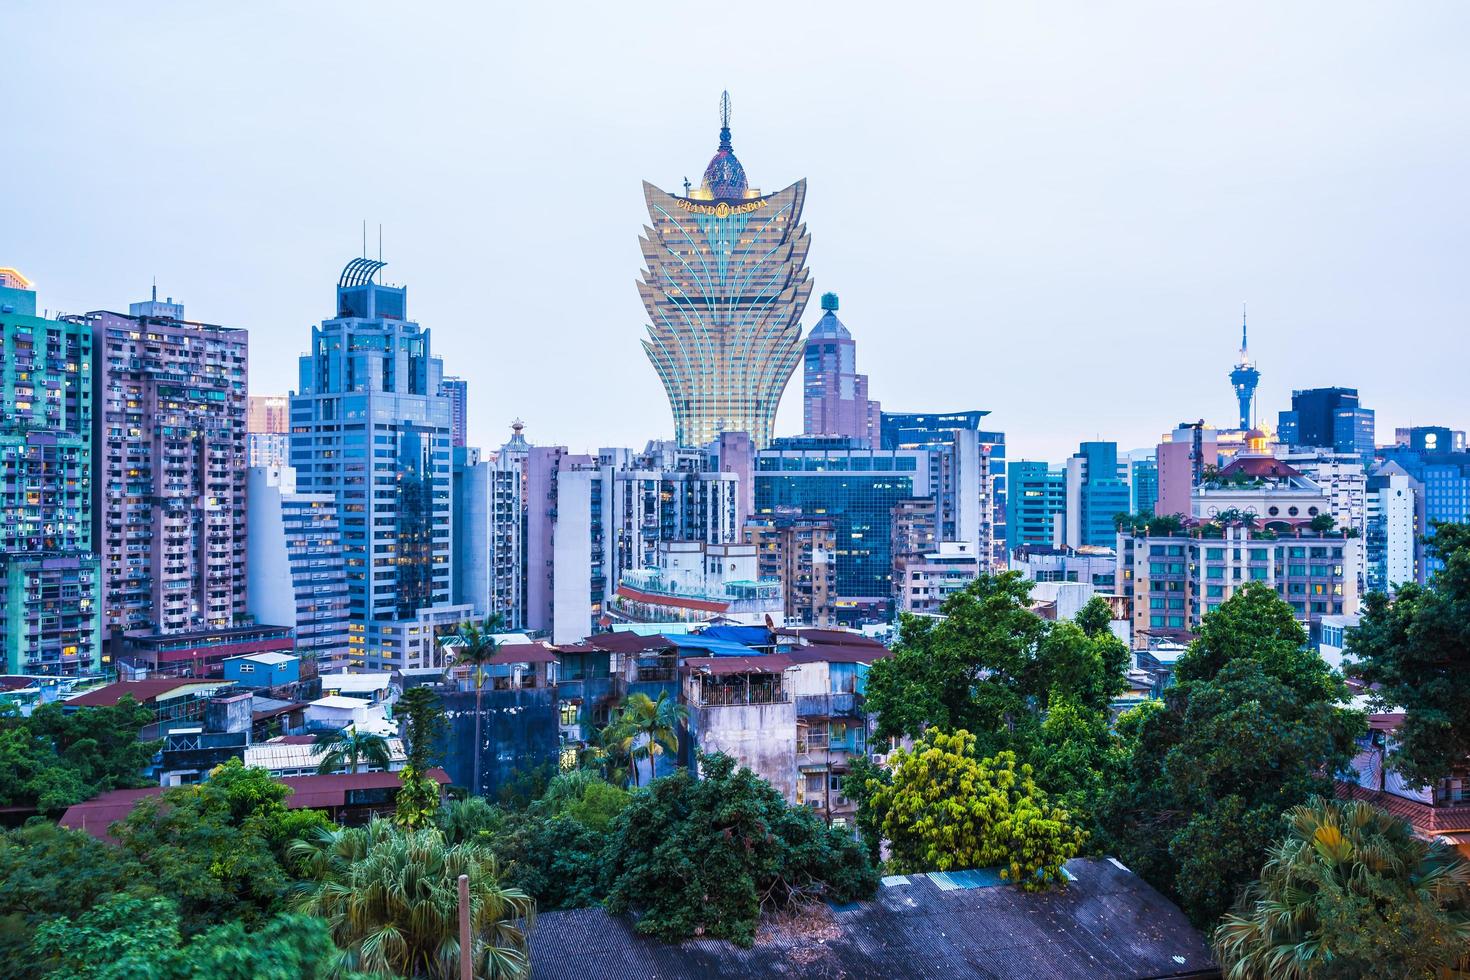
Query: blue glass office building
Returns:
{"type": "Point", "coordinates": [856, 489]}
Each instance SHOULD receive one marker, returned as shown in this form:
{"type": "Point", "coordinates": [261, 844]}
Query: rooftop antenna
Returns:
{"type": "Point", "coordinates": [725, 120]}
{"type": "Point", "coordinates": [155, 289]}
{"type": "Point", "coordinates": [380, 241]}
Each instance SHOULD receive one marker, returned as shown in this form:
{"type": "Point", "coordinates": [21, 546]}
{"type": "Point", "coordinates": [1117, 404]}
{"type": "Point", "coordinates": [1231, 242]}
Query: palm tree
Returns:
{"type": "Point", "coordinates": [605, 750]}
{"type": "Point", "coordinates": [391, 901]}
{"type": "Point", "coordinates": [1349, 891]}
{"type": "Point", "coordinates": [347, 747]}
{"type": "Point", "coordinates": [651, 727]}
{"type": "Point", "coordinates": [475, 645]}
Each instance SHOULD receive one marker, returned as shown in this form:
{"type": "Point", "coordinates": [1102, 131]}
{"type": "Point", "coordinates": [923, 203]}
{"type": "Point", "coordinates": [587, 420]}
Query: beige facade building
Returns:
{"type": "Point", "coordinates": [725, 284]}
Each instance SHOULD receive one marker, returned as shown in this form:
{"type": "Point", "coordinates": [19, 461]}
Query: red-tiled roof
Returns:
{"type": "Point", "coordinates": [574, 648]}
{"type": "Point", "coordinates": [97, 814]}
{"type": "Point", "coordinates": [273, 712]}
{"type": "Point", "coordinates": [1429, 821]}
{"type": "Point", "coordinates": [672, 601]}
{"type": "Point", "coordinates": [1260, 467]}
{"type": "Point", "coordinates": [317, 792]}
{"type": "Point", "coordinates": [833, 653]}
{"type": "Point", "coordinates": [1386, 722]}
{"type": "Point", "coordinates": [841, 637]}
{"type": "Point", "coordinates": [308, 793]}
{"type": "Point", "coordinates": [142, 691]}
{"type": "Point", "coordinates": [15, 682]}
{"type": "Point", "coordinates": [771, 663]}
{"type": "Point", "coordinates": [523, 653]}
{"type": "Point", "coordinates": [625, 641]}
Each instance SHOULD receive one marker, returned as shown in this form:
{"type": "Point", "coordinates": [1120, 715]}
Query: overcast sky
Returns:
{"type": "Point", "coordinates": [1052, 211]}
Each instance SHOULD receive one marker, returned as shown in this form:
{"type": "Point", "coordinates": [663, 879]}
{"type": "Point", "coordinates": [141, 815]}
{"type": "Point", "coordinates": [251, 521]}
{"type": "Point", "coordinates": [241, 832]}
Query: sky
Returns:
{"type": "Point", "coordinates": [1050, 211]}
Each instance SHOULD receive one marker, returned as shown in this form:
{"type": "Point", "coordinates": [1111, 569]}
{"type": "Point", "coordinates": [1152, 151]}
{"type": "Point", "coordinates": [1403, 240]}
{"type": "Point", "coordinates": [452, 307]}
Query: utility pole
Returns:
{"type": "Point", "coordinates": [466, 950]}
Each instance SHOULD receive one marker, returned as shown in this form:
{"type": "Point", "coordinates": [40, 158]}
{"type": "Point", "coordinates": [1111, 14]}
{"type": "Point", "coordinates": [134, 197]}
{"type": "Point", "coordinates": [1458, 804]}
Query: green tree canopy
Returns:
{"type": "Point", "coordinates": [706, 856]}
{"type": "Point", "coordinates": [53, 759]}
{"type": "Point", "coordinates": [390, 899]}
{"type": "Point", "coordinates": [348, 748]}
{"type": "Point", "coordinates": [424, 726]}
{"type": "Point", "coordinates": [1349, 892]}
{"type": "Point", "coordinates": [1254, 726]}
{"type": "Point", "coordinates": [948, 809]}
{"type": "Point", "coordinates": [215, 848]}
{"type": "Point", "coordinates": [128, 937]}
{"type": "Point", "coordinates": [1415, 649]}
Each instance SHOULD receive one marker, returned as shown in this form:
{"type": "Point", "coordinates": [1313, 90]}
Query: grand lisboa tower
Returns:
{"type": "Point", "coordinates": [725, 285]}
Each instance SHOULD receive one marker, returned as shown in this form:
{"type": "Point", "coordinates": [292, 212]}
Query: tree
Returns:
{"type": "Point", "coordinates": [1414, 649]}
{"type": "Point", "coordinates": [422, 714]}
{"type": "Point", "coordinates": [864, 778]}
{"type": "Point", "coordinates": [969, 670]}
{"type": "Point", "coordinates": [390, 899]}
{"type": "Point", "coordinates": [651, 727]}
{"type": "Point", "coordinates": [216, 847]}
{"type": "Point", "coordinates": [1255, 624]}
{"type": "Point", "coordinates": [1253, 727]}
{"type": "Point", "coordinates": [53, 760]}
{"type": "Point", "coordinates": [475, 646]}
{"type": "Point", "coordinates": [1349, 891]}
{"type": "Point", "coordinates": [128, 936]}
{"type": "Point", "coordinates": [347, 748]}
{"type": "Point", "coordinates": [1322, 523]}
{"type": "Point", "coordinates": [417, 800]}
{"type": "Point", "coordinates": [947, 809]}
{"type": "Point", "coordinates": [50, 871]}
{"type": "Point", "coordinates": [705, 856]}
{"type": "Point", "coordinates": [1096, 617]}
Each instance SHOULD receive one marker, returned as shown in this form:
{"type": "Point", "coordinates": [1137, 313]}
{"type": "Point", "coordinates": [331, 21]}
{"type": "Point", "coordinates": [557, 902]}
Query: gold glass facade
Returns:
{"type": "Point", "coordinates": [725, 284]}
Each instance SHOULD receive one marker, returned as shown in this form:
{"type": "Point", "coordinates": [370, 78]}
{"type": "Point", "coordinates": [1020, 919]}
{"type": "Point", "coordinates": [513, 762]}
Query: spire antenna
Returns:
{"type": "Point", "coordinates": [725, 109]}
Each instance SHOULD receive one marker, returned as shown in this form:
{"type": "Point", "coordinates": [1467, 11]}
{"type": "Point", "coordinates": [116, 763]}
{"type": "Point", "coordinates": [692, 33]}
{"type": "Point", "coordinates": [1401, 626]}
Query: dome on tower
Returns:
{"type": "Point", "coordinates": [829, 326]}
{"type": "Point", "coordinates": [724, 178]}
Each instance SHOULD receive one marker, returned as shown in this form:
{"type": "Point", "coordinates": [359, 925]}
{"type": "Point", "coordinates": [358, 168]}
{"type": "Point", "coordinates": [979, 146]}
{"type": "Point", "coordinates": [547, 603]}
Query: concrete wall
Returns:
{"type": "Point", "coordinates": [270, 590]}
{"type": "Point", "coordinates": [761, 737]}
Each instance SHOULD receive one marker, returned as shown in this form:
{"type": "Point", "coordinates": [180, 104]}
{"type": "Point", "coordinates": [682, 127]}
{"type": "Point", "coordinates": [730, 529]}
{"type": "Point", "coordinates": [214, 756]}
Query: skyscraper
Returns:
{"type": "Point", "coordinates": [49, 578]}
{"type": "Point", "coordinates": [297, 575]}
{"type": "Point", "coordinates": [1036, 495]}
{"type": "Point", "coordinates": [835, 396]}
{"type": "Point", "coordinates": [1244, 378]}
{"type": "Point", "coordinates": [725, 285]}
{"type": "Point", "coordinates": [1095, 494]}
{"type": "Point", "coordinates": [172, 476]}
{"type": "Point", "coordinates": [1330, 418]}
{"type": "Point", "coordinates": [457, 390]}
{"type": "Point", "coordinates": [370, 427]}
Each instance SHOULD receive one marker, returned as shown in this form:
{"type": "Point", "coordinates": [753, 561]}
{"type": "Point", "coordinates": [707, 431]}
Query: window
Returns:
{"type": "Point", "coordinates": [247, 668]}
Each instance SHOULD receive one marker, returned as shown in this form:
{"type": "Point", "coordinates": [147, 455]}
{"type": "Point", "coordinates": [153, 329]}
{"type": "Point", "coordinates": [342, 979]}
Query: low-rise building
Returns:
{"type": "Point", "coordinates": [924, 581]}
{"type": "Point", "coordinates": [262, 669]}
{"type": "Point", "coordinates": [202, 653]}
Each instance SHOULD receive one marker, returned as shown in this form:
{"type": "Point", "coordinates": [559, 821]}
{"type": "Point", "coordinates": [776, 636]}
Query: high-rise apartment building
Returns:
{"type": "Point", "coordinates": [1095, 495]}
{"type": "Point", "coordinates": [297, 574]}
{"type": "Point", "coordinates": [171, 488]}
{"type": "Point", "coordinates": [1183, 457]}
{"type": "Point", "coordinates": [797, 551]}
{"type": "Point", "coordinates": [1391, 544]}
{"type": "Point", "coordinates": [591, 520]}
{"type": "Point", "coordinates": [1036, 503]}
{"type": "Point", "coordinates": [1343, 480]}
{"type": "Point", "coordinates": [834, 394]}
{"type": "Point", "coordinates": [49, 576]}
{"type": "Point", "coordinates": [369, 427]}
{"type": "Point", "coordinates": [967, 471]}
{"type": "Point", "coordinates": [1175, 580]}
{"type": "Point", "coordinates": [1445, 495]}
{"type": "Point", "coordinates": [725, 284]}
{"type": "Point", "coordinates": [457, 390]}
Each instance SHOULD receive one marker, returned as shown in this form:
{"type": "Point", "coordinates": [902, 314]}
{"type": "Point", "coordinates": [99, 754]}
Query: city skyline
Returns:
{"type": "Point", "coordinates": [1070, 185]}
